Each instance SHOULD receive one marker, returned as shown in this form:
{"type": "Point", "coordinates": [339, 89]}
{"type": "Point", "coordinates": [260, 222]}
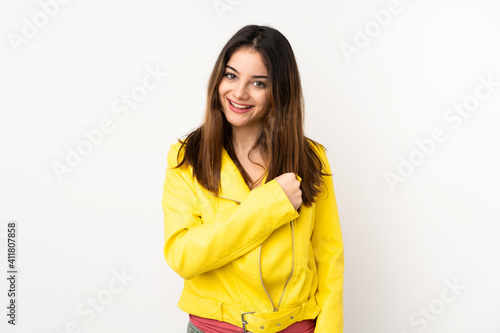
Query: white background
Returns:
{"type": "Point", "coordinates": [402, 243]}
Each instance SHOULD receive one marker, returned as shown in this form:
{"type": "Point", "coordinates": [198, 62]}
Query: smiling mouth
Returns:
{"type": "Point", "coordinates": [239, 106]}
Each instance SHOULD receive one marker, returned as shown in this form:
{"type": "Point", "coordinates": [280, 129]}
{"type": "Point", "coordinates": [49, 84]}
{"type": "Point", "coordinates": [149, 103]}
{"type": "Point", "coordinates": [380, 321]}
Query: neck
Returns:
{"type": "Point", "coordinates": [245, 137]}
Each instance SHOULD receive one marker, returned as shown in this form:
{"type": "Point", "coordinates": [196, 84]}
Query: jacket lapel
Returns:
{"type": "Point", "coordinates": [233, 185]}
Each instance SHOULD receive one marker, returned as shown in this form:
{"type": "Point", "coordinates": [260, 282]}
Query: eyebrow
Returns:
{"type": "Point", "coordinates": [255, 76]}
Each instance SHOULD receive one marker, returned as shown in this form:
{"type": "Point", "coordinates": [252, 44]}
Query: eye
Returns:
{"type": "Point", "coordinates": [260, 84]}
{"type": "Point", "coordinates": [230, 76]}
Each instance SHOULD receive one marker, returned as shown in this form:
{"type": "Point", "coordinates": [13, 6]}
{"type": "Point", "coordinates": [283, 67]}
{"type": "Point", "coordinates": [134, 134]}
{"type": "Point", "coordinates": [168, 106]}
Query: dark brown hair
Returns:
{"type": "Point", "coordinates": [282, 138]}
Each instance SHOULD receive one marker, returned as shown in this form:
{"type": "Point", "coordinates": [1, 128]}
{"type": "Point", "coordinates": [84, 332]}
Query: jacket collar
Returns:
{"type": "Point", "coordinates": [233, 186]}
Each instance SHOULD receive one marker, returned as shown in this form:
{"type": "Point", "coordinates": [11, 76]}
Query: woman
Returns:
{"type": "Point", "coordinates": [250, 215]}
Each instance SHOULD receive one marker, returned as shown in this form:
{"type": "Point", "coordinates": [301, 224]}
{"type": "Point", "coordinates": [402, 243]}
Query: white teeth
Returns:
{"type": "Point", "coordinates": [239, 106]}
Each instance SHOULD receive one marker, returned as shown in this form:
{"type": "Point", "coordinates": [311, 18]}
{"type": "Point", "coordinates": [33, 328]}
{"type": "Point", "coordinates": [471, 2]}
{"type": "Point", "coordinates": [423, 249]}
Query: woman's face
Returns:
{"type": "Point", "coordinates": [243, 91]}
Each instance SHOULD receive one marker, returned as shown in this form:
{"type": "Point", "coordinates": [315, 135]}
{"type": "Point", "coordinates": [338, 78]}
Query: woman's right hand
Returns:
{"type": "Point", "coordinates": [291, 186]}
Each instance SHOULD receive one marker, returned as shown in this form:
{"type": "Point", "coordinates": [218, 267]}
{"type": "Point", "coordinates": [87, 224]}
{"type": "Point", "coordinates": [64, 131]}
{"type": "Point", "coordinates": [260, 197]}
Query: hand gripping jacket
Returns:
{"type": "Point", "coordinates": [248, 257]}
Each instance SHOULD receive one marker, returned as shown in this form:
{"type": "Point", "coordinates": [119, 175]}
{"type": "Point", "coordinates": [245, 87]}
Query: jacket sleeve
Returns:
{"type": "Point", "coordinates": [192, 247]}
{"type": "Point", "coordinates": [329, 254]}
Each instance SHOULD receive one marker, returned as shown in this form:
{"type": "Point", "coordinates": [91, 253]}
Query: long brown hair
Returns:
{"type": "Point", "coordinates": [282, 138]}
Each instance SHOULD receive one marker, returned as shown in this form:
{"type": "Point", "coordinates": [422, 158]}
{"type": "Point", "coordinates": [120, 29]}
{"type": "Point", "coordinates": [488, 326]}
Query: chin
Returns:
{"type": "Point", "coordinates": [236, 124]}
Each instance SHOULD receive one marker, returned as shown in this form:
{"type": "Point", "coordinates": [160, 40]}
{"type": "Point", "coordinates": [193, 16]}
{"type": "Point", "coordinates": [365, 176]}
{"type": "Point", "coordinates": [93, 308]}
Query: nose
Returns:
{"type": "Point", "coordinates": [240, 90]}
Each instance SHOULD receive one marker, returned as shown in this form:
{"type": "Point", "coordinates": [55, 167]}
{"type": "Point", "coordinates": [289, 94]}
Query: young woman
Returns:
{"type": "Point", "coordinates": [250, 214]}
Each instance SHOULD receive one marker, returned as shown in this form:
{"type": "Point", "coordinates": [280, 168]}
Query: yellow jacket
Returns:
{"type": "Point", "coordinates": [252, 252]}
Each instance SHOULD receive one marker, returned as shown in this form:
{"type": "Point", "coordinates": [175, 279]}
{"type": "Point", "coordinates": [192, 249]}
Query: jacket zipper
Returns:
{"type": "Point", "coordinates": [260, 267]}
{"type": "Point", "coordinates": [293, 265]}
{"type": "Point", "coordinates": [289, 277]}
{"type": "Point", "coordinates": [225, 197]}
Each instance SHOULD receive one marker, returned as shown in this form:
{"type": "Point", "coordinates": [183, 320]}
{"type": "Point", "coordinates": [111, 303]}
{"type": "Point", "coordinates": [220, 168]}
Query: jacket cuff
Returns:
{"type": "Point", "coordinates": [280, 194]}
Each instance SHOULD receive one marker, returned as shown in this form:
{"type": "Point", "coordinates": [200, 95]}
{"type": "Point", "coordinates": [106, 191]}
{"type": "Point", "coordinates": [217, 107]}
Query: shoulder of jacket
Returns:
{"type": "Point", "coordinates": [318, 148]}
{"type": "Point", "coordinates": [175, 155]}
{"type": "Point", "coordinates": [321, 152]}
{"type": "Point", "coordinates": [176, 146]}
